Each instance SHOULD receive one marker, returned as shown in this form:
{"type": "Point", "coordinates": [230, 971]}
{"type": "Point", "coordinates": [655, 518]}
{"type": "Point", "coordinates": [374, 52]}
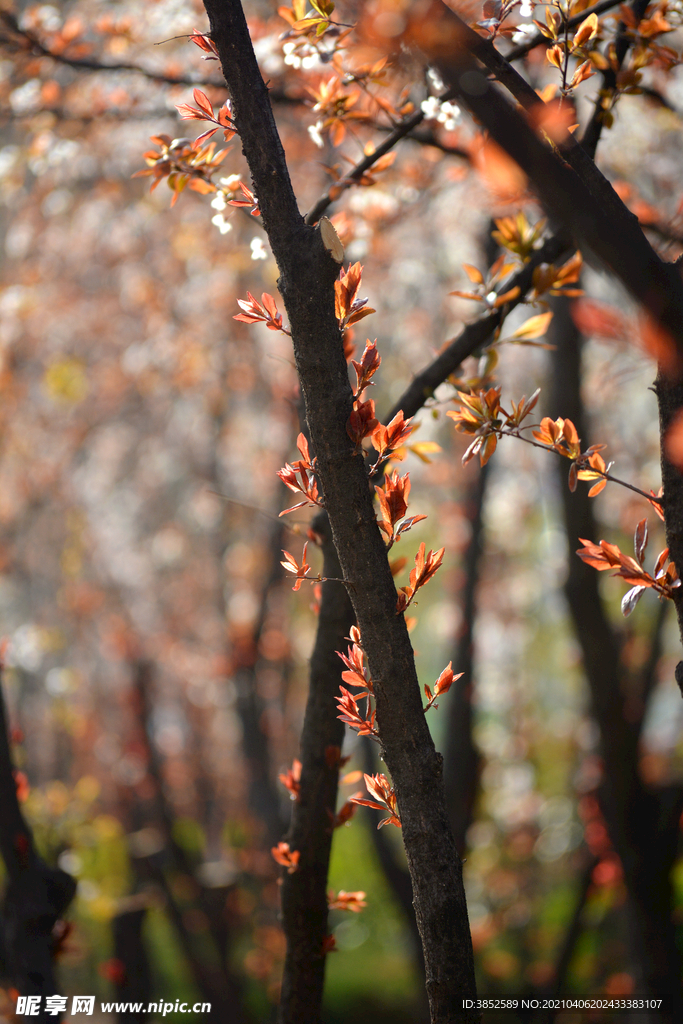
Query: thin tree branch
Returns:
{"type": "Point", "coordinates": [566, 180]}
{"type": "Point", "coordinates": [476, 335]}
{"type": "Point", "coordinates": [591, 136]}
{"type": "Point", "coordinates": [357, 172]}
{"type": "Point", "coordinates": [539, 39]}
{"type": "Point", "coordinates": [515, 432]}
{"type": "Point", "coordinates": [30, 43]}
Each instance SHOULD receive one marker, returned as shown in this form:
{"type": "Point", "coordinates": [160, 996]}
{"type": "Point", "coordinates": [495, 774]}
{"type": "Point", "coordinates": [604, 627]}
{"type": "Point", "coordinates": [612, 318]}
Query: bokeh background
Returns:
{"type": "Point", "coordinates": [157, 659]}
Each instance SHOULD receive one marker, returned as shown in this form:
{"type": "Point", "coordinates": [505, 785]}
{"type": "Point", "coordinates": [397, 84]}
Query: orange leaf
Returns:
{"type": "Point", "coordinates": [475, 276]}
{"type": "Point", "coordinates": [596, 488]}
{"type": "Point", "coordinates": [203, 102]}
{"type": "Point", "coordinates": [587, 30]}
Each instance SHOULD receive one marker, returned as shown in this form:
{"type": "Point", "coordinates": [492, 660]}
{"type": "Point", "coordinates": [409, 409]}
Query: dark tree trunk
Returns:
{"type": "Point", "coordinates": [133, 981]}
{"type": "Point", "coordinates": [304, 892]}
{"type": "Point", "coordinates": [36, 896]}
{"type": "Point", "coordinates": [307, 275]}
{"type": "Point", "coordinates": [461, 756]}
{"type": "Point", "coordinates": [642, 821]}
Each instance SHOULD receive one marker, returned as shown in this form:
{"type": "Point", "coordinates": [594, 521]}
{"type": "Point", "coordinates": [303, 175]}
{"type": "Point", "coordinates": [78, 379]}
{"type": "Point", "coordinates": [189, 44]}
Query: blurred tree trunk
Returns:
{"type": "Point", "coordinates": [461, 756]}
{"type": "Point", "coordinates": [214, 975]}
{"type": "Point", "coordinates": [643, 821]}
{"type": "Point", "coordinates": [304, 892]}
{"type": "Point", "coordinates": [36, 896]}
{"type": "Point", "coordinates": [133, 980]}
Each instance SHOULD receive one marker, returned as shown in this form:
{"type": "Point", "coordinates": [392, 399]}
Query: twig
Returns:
{"type": "Point", "coordinates": [591, 136]}
{"type": "Point", "coordinates": [354, 175]}
{"type": "Point", "coordinates": [503, 432]}
{"type": "Point", "coordinates": [83, 64]}
{"type": "Point", "coordinates": [475, 336]}
{"type": "Point", "coordinates": [523, 48]}
{"type": "Point", "coordinates": [401, 132]}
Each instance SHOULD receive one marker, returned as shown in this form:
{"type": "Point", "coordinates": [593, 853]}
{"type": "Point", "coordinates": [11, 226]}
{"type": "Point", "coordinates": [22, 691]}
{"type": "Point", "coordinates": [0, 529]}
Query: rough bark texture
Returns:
{"type": "Point", "coordinates": [307, 275]}
{"type": "Point", "coordinates": [642, 821]}
{"type": "Point", "coordinates": [36, 896]}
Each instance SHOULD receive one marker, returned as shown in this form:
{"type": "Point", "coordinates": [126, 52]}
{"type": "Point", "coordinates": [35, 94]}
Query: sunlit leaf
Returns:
{"type": "Point", "coordinates": [631, 599]}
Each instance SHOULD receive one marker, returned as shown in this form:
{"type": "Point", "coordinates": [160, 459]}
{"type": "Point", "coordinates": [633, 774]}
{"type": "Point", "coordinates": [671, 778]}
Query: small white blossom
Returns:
{"type": "Point", "coordinates": [449, 116]}
{"type": "Point", "coordinates": [436, 79]}
{"type": "Point", "coordinates": [257, 250]}
{"type": "Point", "coordinates": [221, 223]}
{"type": "Point", "coordinates": [230, 184]}
{"type": "Point", "coordinates": [288, 49]}
{"type": "Point", "coordinates": [300, 55]}
{"type": "Point", "coordinates": [218, 202]}
{"type": "Point", "coordinates": [314, 130]}
{"type": "Point", "coordinates": [527, 9]}
{"type": "Point", "coordinates": [430, 108]}
{"type": "Point", "coordinates": [446, 113]}
{"type": "Point", "coordinates": [524, 33]}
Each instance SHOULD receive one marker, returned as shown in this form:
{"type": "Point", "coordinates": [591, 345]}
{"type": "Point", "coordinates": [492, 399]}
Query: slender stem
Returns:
{"type": "Point", "coordinates": [565, 55]}
{"type": "Point", "coordinates": [502, 432]}
{"type": "Point", "coordinates": [591, 135]}
{"type": "Point", "coordinates": [520, 51]}
{"type": "Point", "coordinates": [79, 64]}
{"type": "Point", "coordinates": [354, 175]}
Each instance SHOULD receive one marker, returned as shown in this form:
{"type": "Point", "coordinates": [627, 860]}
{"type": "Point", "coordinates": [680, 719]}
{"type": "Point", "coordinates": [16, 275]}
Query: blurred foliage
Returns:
{"type": "Point", "coordinates": [141, 431]}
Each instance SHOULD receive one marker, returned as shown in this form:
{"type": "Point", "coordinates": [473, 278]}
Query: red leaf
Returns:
{"type": "Point", "coordinates": [640, 540]}
{"type": "Point", "coordinates": [203, 102]}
